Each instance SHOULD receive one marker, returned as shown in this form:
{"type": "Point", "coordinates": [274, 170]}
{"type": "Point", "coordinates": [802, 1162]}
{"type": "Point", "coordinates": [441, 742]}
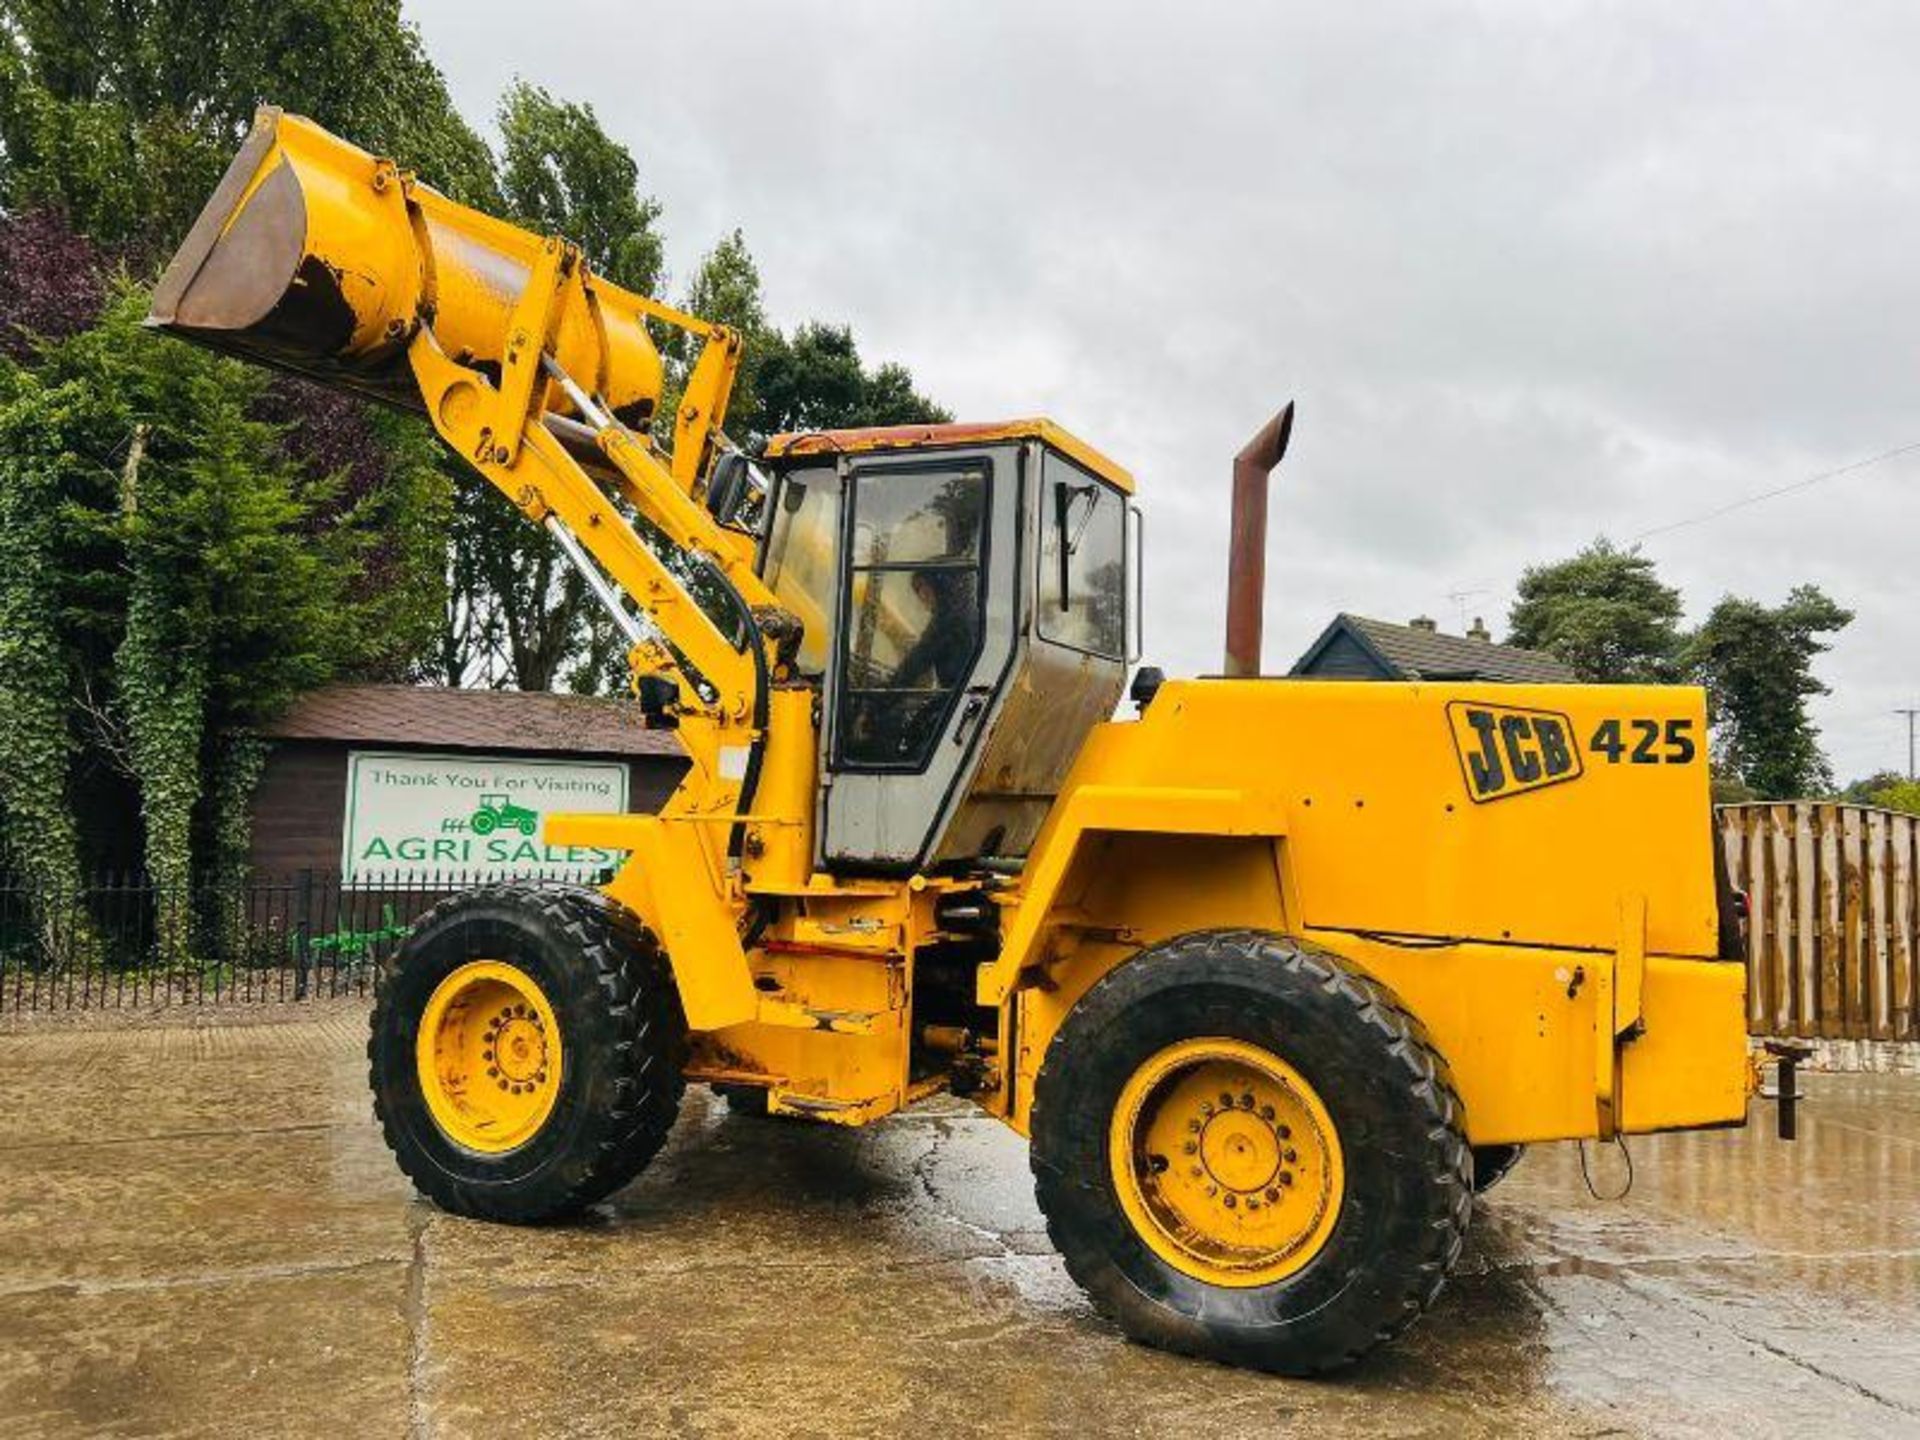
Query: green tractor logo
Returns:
{"type": "Point", "coordinates": [497, 812]}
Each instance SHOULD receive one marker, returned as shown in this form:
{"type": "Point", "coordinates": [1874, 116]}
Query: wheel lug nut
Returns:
{"type": "Point", "coordinates": [1194, 1126]}
{"type": "Point", "coordinates": [1195, 1171]}
{"type": "Point", "coordinates": [1273, 1196]}
{"type": "Point", "coordinates": [1191, 1148]}
{"type": "Point", "coordinates": [1206, 1107]}
{"type": "Point", "coordinates": [1286, 1132]}
{"type": "Point", "coordinates": [1286, 1177]}
{"type": "Point", "coordinates": [1230, 1202]}
{"type": "Point", "coordinates": [1226, 1101]}
{"type": "Point", "coordinates": [1253, 1202]}
{"type": "Point", "coordinates": [1246, 1102]}
{"type": "Point", "coordinates": [1266, 1113]}
{"type": "Point", "coordinates": [1213, 1190]}
{"type": "Point", "coordinates": [1292, 1155]}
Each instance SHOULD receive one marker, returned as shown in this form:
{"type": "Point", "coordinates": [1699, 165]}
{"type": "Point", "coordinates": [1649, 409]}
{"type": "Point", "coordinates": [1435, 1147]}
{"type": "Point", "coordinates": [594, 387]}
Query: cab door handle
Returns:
{"type": "Point", "coordinates": [971, 711]}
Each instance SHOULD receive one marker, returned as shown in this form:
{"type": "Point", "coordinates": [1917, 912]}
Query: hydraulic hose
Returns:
{"type": "Point", "coordinates": [762, 687]}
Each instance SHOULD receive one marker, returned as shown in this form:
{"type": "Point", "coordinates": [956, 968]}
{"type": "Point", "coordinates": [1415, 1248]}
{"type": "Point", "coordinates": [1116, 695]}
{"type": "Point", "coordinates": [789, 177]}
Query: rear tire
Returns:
{"type": "Point", "coordinates": [1397, 1163]}
{"type": "Point", "coordinates": [592, 972]}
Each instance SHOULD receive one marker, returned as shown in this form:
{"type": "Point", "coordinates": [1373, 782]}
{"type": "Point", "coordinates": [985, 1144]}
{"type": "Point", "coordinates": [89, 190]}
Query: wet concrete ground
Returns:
{"type": "Point", "coordinates": [201, 1233]}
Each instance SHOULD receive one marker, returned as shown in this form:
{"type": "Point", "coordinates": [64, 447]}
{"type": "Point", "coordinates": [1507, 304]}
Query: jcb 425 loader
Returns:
{"type": "Point", "coordinates": [1264, 969]}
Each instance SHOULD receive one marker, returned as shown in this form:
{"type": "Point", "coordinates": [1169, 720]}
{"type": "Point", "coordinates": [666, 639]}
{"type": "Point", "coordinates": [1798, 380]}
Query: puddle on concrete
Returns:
{"type": "Point", "coordinates": [235, 1253]}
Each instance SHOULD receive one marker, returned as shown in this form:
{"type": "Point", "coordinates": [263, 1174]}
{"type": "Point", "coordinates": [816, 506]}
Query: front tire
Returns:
{"type": "Point", "coordinates": [1246, 1150]}
{"type": "Point", "coordinates": [525, 1052]}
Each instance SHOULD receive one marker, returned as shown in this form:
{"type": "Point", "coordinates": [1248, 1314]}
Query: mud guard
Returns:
{"type": "Point", "coordinates": [1096, 808]}
{"type": "Point", "coordinates": [668, 881]}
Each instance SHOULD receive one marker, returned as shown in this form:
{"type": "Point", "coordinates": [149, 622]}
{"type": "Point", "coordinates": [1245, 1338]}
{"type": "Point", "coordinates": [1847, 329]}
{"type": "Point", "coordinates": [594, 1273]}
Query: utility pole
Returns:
{"type": "Point", "coordinates": [1909, 712]}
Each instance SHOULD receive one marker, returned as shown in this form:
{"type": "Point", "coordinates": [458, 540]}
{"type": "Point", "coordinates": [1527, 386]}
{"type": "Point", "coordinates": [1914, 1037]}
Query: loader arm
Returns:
{"type": "Point", "coordinates": [317, 257]}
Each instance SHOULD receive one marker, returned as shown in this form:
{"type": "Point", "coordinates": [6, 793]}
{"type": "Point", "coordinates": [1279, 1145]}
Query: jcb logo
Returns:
{"type": "Point", "coordinates": [1504, 751]}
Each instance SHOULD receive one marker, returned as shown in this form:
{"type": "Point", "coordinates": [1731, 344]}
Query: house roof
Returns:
{"type": "Point", "coordinates": [1413, 652]}
{"type": "Point", "coordinates": [434, 716]}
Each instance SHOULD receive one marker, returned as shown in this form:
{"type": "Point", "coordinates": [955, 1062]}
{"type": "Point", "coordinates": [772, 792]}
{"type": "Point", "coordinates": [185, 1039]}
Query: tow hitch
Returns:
{"type": "Point", "coordinates": [1787, 1055]}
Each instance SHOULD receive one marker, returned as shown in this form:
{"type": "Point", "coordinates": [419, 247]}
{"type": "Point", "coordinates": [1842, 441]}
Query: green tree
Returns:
{"type": "Point", "coordinates": [1757, 665]}
{"type": "Point", "coordinates": [516, 613]}
{"type": "Point", "coordinates": [1604, 612]}
{"type": "Point", "coordinates": [123, 113]}
{"type": "Point", "coordinates": [195, 573]}
{"type": "Point", "coordinates": [562, 174]}
{"type": "Point", "coordinates": [38, 658]}
{"type": "Point", "coordinates": [815, 380]}
{"type": "Point", "coordinates": [726, 290]}
{"type": "Point", "coordinates": [1862, 791]}
{"type": "Point", "coordinates": [117, 118]}
{"type": "Point", "coordinates": [1901, 795]}
{"type": "Point", "coordinates": [1888, 789]}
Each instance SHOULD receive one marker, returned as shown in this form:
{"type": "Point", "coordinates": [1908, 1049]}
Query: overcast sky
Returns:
{"type": "Point", "coordinates": [1534, 273]}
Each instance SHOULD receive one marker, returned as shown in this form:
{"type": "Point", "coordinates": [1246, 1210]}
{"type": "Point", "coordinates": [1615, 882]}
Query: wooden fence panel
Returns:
{"type": "Point", "coordinates": [1876, 954]}
{"type": "Point", "coordinates": [1760, 924]}
{"type": "Point", "coordinates": [1777, 959]}
{"type": "Point", "coordinates": [1833, 935]}
{"type": "Point", "coordinates": [1826, 1020]}
{"type": "Point", "coordinates": [1901, 914]}
{"type": "Point", "coordinates": [1806, 931]}
{"type": "Point", "coordinates": [1853, 888]}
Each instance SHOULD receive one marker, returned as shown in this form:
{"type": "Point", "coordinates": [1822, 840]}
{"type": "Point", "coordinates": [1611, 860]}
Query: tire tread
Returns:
{"type": "Point", "coordinates": [1229, 954]}
{"type": "Point", "coordinates": [619, 955]}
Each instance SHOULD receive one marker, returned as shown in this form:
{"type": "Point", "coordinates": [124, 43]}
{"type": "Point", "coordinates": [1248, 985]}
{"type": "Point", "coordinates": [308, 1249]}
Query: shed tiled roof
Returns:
{"type": "Point", "coordinates": [1412, 652]}
{"type": "Point", "coordinates": [514, 721]}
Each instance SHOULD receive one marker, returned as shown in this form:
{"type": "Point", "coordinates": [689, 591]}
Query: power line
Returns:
{"type": "Point", "coordinates": [1456, 596]}
{"type": "Point", "coordinates": [1802, 484]}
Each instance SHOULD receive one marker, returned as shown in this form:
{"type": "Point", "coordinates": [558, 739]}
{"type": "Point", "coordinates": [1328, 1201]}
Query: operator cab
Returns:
{"type": "Point", "coordinates": [966, 593]}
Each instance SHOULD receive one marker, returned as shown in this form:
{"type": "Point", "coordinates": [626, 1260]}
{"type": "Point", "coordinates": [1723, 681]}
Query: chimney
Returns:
{"type": "Point", "coordinates": [1247, 541]}
{"type": "Point", "coordinates": [1424, 622]}
{"type": "Point", "coordinates": [1480, 632]}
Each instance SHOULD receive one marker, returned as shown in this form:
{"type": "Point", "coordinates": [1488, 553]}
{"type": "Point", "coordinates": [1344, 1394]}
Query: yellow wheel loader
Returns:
{"type": "Point", "coordinates": [1270, 972]}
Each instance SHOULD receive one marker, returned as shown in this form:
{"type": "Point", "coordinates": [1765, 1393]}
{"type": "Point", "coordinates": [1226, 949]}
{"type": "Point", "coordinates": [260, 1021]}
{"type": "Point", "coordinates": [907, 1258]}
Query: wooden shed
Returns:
{"type": "Point", "coordinates": [403, 778]}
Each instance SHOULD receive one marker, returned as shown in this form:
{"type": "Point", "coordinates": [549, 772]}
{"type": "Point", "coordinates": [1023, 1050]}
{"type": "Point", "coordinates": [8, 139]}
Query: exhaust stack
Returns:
{"type": "Point", "coordinates": [1247, 545]}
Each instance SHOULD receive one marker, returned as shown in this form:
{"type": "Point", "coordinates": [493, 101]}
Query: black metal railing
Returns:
{"type": "Point", "coordinates": [120, 940]}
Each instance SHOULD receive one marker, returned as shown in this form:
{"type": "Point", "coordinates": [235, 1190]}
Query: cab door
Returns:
{"type": "Point", "coordinates": [924, 640]}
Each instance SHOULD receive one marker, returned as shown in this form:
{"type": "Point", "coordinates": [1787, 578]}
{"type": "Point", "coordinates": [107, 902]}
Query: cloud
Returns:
{"type": "Point", "coordinates": [1534, 272]}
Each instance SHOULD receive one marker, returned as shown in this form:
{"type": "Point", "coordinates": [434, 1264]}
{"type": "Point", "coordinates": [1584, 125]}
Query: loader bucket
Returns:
{"type": "Point", "coordinates": [317, 257]}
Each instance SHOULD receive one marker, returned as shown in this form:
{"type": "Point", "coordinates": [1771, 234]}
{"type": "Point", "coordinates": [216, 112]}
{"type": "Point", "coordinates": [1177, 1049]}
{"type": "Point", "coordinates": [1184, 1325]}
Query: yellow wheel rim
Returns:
{"type": "Point", "coordinates": [488, 1055]}
{"type": "Point", "coordinates": [1226, 1162]}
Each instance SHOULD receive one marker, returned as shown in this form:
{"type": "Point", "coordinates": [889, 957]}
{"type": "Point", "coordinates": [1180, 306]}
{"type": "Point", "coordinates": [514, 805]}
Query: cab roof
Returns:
{"type": "Point", "coordinates": [927, 437]}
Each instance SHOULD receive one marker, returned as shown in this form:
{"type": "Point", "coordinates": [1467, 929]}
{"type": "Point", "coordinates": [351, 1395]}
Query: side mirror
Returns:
{"type": "Point", "coordinates": [727, 484]}
{"type": "Point", "coordinates": [1147, 681]}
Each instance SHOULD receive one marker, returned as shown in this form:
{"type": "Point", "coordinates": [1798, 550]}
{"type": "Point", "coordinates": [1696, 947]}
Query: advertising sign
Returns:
{"type": "Point", "coordinates": [413, 817]}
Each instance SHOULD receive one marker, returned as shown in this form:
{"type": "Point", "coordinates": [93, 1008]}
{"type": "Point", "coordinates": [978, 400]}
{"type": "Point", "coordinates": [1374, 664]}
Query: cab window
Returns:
{"type": "Point", "coordinates": [802, 546]}
{"type": "Point", "coordinates": [913, 610]}
{"type": "Point", "coordinates": [1083, 573]}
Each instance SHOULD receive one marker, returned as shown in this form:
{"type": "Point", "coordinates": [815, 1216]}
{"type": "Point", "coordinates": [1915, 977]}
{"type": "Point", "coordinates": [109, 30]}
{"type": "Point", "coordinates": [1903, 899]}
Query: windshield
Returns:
{"type": "Point", "coordinates": [801, 550]}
